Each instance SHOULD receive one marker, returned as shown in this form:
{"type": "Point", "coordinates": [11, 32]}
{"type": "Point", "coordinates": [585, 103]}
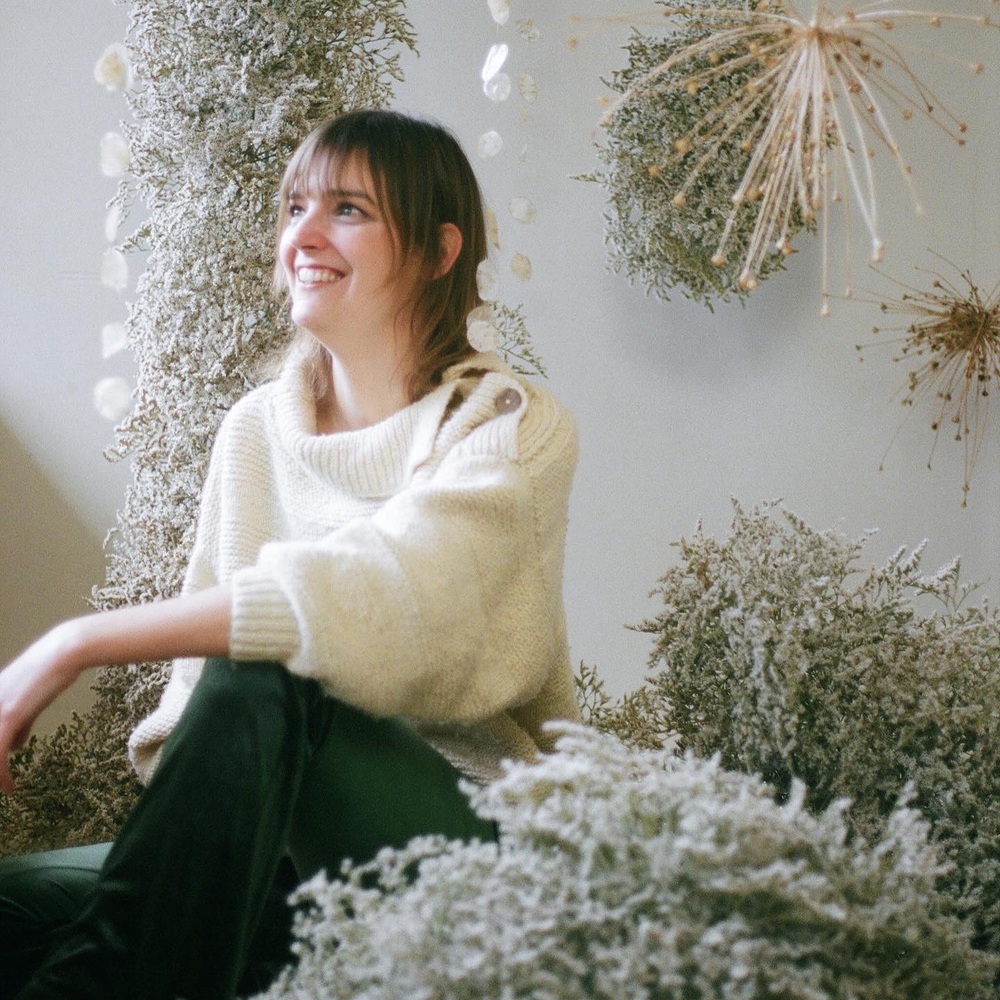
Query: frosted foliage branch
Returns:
{"type": "Point", "coordinates": [778, 650]}
{"type": "Point", "coordinates": [223, 93]}
{"type": "Point", "coordinates": [622, 873]}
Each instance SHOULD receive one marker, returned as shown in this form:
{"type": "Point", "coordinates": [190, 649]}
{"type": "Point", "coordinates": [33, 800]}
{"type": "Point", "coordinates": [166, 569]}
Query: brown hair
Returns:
{"type": "Point", "coordinates": [422, 180]}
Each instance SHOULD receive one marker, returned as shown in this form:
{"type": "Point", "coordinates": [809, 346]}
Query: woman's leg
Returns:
{"type": "Point", "coordinates": [40, 896]}
{"type": "Point", "coordinates": [261, 760]}
{"type": "Point", "coordinates": [374, 783]}
{"type": "Point", "coordinates": [183, 887]}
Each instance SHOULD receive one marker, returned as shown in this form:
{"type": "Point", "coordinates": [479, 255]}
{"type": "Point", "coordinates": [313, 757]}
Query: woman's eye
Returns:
{"type": "Point", "coordinates": [295, 209]}
{"type": "Point", "coordinates": [348, 209]}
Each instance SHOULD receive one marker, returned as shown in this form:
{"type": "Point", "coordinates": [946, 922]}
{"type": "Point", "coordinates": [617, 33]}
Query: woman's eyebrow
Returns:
{"type": "Point", "coordinates": [356, 193]}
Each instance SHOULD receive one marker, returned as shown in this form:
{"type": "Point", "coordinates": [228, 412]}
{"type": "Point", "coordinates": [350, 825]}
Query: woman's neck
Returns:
{"type": "Point", "coordinates": [361, 394]}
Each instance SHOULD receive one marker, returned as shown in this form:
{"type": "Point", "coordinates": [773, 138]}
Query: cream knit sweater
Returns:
{"type": "Point", "coordinates": [414, 568]}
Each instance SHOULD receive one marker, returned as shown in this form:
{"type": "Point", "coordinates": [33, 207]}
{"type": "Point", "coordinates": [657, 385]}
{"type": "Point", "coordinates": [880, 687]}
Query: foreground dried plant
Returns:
{"type": "Point", "coordinates": [956, 337]}
{"type": "Point", "coordinates": [640, 874]}
{"type": "Point", "coordinates": [808, 98]}
{"type": "Point", "coordinates": [778, 649]}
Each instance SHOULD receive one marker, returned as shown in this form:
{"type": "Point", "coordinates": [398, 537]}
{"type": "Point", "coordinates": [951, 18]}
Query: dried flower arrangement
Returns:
{"type": "Point", "coordinates": [746, 125]}
{"type": "Point", "coordinates": [222, 92]}
{"type": "Point", "coordinates": [623, 873]}
{"type": "Point", "coordinates": [778, 652]}
{"type": "Point", "coordinates": [955, 335]}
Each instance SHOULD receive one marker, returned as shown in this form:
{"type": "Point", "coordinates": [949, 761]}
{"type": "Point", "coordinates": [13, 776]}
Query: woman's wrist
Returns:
{"type": "Point", "coordinates": [71, 645]}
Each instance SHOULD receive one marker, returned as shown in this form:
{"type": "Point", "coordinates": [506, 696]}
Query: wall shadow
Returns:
{"type": "Point", "coordinates": [49, 562]}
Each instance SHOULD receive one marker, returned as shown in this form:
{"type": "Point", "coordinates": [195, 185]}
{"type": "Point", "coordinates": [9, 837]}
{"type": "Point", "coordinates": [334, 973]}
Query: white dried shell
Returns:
{"type": "Point", "coordinates": [494, 61]}
{"type": "Point", "coordinates": [492, 227]}
{"type": "Point", "coordinates": [112, 398]}
{"type": "Point", "coordinates": [498, 87]}
{"type": "Point", "coordinates": [500, 9]}
{"type": "Point", "coordinates": [113, 69]}
{"type": "Point", "coordinates": [487, 280]}
{"type": "Point", "coordinates": [520, 266]}
{"type": "Point", "coordinates": [114, 270]}
{"type": "Point", "coordinates": [481, 330]}
{"type": "Point", "coordinates": [112, 221]}
{"type": "Point", "coordinates": [113, 339]}
{"type": "Point", "coordinates": [529, 89]}
{"type": "Point", "coordinates": [522, 209]}
{"type": "Point", "coordinates": [526, 28]}
{"type": "Point", "coordinates": [489, 144]}
{"type": "Point", "coordinates": [116, 157]}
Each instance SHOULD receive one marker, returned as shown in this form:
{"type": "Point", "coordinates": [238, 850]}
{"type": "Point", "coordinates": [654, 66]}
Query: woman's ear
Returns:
{"type": "Point", "coordinates": [451, 247]}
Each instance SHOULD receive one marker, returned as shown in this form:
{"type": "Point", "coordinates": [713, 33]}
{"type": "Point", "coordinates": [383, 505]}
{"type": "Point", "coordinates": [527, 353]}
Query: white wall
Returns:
{"type": "Point", "coordinates": [679, 409]}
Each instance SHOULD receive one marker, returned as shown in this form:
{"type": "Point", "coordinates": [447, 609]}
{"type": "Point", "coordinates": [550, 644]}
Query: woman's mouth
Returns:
{"type": "Point", "coordinates": [317, 275]}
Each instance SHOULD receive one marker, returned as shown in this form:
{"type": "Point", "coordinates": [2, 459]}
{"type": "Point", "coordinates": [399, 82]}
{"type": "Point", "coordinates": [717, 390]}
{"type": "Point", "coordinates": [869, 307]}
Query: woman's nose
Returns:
{"type": "Point", "coordinates": [309, 231]}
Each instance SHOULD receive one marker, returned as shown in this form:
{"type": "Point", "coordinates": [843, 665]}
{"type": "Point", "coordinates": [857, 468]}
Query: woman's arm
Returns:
{"type": "Point", "coordinates": [194, 625]}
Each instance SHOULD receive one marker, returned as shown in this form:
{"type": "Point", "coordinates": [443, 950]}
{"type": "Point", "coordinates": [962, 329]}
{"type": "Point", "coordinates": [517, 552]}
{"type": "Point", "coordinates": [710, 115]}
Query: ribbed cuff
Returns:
{"type": "Point", "coordinates": [264, 625]}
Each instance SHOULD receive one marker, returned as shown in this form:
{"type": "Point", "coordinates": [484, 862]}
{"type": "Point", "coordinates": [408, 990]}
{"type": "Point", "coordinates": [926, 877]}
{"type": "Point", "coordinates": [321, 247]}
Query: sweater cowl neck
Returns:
{"type": "Point", "coordinates": [374, 461]}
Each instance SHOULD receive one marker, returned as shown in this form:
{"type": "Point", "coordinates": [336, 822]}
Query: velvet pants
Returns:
{"type": "Point", "coordinates": [265, 781]}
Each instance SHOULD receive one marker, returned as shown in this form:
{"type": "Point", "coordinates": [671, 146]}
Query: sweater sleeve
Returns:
{"type": "Point", "coordinates": [440, 605]}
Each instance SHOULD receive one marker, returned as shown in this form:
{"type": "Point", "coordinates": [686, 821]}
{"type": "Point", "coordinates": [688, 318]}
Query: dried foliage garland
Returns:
{"type": "Point", "coordinates": [223, 91]}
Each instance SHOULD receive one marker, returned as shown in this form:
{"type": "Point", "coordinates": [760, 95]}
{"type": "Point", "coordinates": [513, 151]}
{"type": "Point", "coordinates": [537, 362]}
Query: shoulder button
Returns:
{"type": "Point", "coordinates": [507, 401]}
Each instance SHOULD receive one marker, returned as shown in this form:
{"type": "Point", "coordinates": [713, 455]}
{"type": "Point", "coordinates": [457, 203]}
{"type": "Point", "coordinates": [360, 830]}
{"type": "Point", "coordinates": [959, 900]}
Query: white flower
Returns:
{"type": "Point", "coordinates": [114, 70]}
{"type": "Point", "coordinates": [480, 329]}
{"type": "Point", "coordinates": [112, 397]}
{"type": "Point", "coordinates": [522, 209]}
{"type": "Point", "coordinates": [116, 157]}
{"type": "Point", "coordinates": [113, 339]}
{"type": "Point", "coordinates": [114, 270]}
{"type": "Point", "coordinates": [487, 280]}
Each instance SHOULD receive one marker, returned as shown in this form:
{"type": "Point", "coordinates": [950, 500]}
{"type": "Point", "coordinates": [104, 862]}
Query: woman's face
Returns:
{"type": "Point", "coordinates": [341, 260]}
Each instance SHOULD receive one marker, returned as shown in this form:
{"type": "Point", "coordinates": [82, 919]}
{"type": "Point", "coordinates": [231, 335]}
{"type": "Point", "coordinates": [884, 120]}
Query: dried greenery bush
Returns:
{"type": "Point", "coordinates": [224, 91]}
{"type": "Point", "coordinates": [776, 650]}
{"type": "Point", "coordinates": [640, 874]}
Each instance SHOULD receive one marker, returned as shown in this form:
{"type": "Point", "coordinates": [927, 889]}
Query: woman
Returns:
{"type": "Point", "coordinates": [371, 611]}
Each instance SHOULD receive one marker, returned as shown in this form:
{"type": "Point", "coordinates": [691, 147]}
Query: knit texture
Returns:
{"type": "Point", "coordinates": [413, 568]}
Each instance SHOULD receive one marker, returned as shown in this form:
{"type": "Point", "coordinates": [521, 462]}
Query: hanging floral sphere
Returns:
{"type": "Point", "coordinates": [654, 234]}
{"type": "Point", "coordinates": [753, 120]}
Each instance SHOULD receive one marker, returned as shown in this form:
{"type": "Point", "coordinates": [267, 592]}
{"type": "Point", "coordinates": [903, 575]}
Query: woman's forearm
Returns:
{"type": "Point", "coordinates": [192, 625]}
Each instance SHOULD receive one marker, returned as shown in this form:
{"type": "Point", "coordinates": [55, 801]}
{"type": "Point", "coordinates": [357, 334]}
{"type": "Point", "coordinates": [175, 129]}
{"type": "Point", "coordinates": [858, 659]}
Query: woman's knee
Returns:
{"type": "Point", "coordinates": [50, 884]}
{"type": "Point", "coordinates": [40, 895]}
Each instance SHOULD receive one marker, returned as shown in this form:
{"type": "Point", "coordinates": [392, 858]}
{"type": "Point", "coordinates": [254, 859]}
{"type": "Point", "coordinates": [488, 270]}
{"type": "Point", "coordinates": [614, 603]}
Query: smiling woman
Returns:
{"type": "Point", "coordinates": [380, 210]}
{"type": "Point", "coordinates": [372, 609]}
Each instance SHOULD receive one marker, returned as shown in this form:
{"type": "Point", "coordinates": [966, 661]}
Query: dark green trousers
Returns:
{"type": "Point", "coordinates": [265, 781]}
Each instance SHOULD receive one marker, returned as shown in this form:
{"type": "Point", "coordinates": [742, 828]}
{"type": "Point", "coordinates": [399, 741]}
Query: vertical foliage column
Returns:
{"type": "Point", "coordinates": [223, 92]}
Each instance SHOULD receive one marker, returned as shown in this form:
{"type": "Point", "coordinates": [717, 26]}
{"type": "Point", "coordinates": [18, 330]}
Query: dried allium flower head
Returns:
{"type": "Point", "coordinates": [956, 337]}
{"type": "Point", "coordinates": [812, 107]}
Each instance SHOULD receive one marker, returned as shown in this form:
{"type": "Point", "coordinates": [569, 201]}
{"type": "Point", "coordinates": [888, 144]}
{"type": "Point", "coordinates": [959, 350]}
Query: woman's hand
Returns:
{"type": "Point", "coordinates": [193, 625]}
{"type": "Point", "coordinates": [30, 684]}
